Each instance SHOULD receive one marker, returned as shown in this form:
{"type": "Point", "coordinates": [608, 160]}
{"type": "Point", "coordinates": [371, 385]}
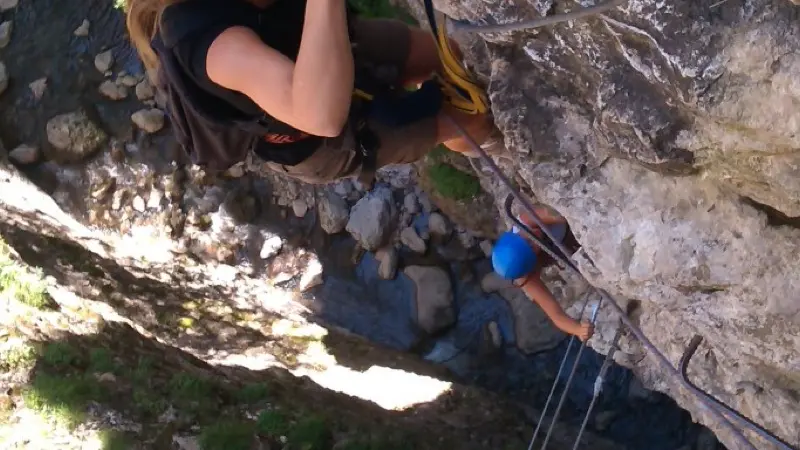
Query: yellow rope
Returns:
{"type": "Point", "coordinates": [458, 85]}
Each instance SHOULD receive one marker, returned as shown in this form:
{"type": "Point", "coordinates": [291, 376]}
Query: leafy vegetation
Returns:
{"type": "Point", "coordinates": [22, 283]}
{"type": "Point", "coordinates": [453, 183]}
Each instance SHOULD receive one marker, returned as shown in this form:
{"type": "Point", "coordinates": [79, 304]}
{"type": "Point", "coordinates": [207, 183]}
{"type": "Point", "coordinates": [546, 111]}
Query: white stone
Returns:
{"type": "Point", "coordinates": [24, 154]}
{"type": "Point", "coordinates": [272, 246]}
{"type": "Point", "coordinates": [6, 29]}
{"type": "Point", "coordinates": [149, 120]}
{"type": "Point", "coordinates": [83, 29]}
{"type": "Point", "coordinates": [299, 207]}
{"type": "Point", "coordinates": [112, 90]}
{"type": "Point", "coordinates": [104, 61]}
{"type": "Point", "coordinates": [411, 239]}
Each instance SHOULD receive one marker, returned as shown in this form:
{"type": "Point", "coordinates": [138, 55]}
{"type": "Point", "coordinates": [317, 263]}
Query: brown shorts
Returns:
{"type": "Point", "coordinates": [383, 43]}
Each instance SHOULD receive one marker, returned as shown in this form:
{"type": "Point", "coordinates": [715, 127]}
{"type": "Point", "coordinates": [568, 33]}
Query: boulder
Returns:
{"type": "Point", "coordinates": [433, 297]}
{"type": "Point", "coordinates": [333, 212]}
{"type": "Point", "coordinates": [74, 136]}
{"type": "Point", "coordinates": [372, 219]}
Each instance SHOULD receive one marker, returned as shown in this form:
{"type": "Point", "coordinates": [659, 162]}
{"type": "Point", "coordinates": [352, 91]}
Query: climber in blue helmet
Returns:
{"type": "Point", "coordinates": [517, 258]}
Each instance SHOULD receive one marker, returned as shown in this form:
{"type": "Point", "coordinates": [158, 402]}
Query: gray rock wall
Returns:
{"type": "Point", "coordinates": [668, 134]}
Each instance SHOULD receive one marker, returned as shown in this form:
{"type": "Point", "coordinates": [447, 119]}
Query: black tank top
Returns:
{"type": "Point", "coordinates": [280, 26]}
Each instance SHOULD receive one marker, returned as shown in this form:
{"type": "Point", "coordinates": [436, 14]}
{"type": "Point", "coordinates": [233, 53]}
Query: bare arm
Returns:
{"type": "Point", "coordinates": [312, 94]}
{"type": "Point", "coordinates": [538, 292]}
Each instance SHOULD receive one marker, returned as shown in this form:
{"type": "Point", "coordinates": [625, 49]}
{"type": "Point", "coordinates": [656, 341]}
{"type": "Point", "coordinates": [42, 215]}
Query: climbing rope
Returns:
{"type": "Point", "coordinates": [564, 258]}
{"type": "Point", "coordinates": [598, 382]}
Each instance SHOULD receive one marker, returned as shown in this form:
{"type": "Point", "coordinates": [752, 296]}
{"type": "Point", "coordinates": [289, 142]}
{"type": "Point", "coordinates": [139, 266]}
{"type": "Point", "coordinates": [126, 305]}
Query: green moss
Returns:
{"type": "Point", "coordinates": [63, 399]}
{"type": "Point", "coordinates": [24, 284]}
{"type": "Point", "coordinates": [227, 435]}
{"type": "Point", "coordinates": [310, 433]}
{"type": "Point", "coordinates": [147, 402]}
{"type": "Point", "coordinates": [61, 355]}
{"type": "Point", "coordinates": [252, 393]}
{"type": "Point", "coordinates": [192, 394]}
{"type": "Point", "coordinates": [272, 423]}
{"type": "Point", "coordinates": [18, 356]}
{"type": "Point", "coordinates": [453, 183]}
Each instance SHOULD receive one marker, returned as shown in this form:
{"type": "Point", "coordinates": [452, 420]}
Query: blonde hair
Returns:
{"type": "Point", "coordinates": [142, 18]}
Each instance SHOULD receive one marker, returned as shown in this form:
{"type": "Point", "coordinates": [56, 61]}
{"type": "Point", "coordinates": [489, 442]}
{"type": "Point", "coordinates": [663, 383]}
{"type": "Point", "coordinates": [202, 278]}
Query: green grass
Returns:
{"type": "Point", "coordinates": [60, 355]}
{"type": "Point", "coordinates": [63, 399]}
{"type": "Point", "coordinates": [272, 423]}
{"type": "Point", "coordinates": [310, 433]}
{"type": "Point", "coordinates": [19, 356]}
{"type": "Point", "coordinates": [453, 183]}
{"type": "Point", "coordinates": [252, 393]}
{"type": "Point", "coordinates": [228, 435]}
{"type": "Point", "coordinates": [24, 284]}
{"type": "Point", "coordinates": [114, 440]}
{"type": "Point", "coordinates": [101, 361]}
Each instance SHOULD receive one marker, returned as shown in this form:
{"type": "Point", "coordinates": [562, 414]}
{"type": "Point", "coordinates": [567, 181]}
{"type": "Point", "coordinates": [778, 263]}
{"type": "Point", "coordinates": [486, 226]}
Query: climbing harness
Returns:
{"type": "Point", "coordinates": [761, 431]}
{"type": "Point", "coordinates": [564, 257]}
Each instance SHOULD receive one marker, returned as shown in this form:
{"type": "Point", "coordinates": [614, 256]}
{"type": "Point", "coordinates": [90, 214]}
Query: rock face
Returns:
{"type": "Point", "coordinates": [75, 136]}
{"type": "Point", "coordinates": [668, 137]}
{"type": "Point", "coordinates": [434, 297]}
{"type": "Point", "coordinates": [372, 219]}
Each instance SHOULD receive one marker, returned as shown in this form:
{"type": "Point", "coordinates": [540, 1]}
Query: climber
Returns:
{"type": "Point", "coordinates": [288, 75]}
{"type": "Point", "coordinates": [517, 258]}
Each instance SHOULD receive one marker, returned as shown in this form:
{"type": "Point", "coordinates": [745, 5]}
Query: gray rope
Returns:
{"type": "Point", "coordinates": [462, 25]}
{"type": "Point", "coordinates": [568, 385]}
{"type": "Point", "coordinates": [637, 332]}
{"type": "Point", "coordinates": [555, 382]}
{"type": "Point", "coordinates": [598, 383]}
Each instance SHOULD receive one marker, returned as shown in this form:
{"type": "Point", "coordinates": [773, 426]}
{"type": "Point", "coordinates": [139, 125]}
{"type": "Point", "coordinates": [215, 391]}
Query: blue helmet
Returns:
{"type": "Point", "coordinates": [512, 256]}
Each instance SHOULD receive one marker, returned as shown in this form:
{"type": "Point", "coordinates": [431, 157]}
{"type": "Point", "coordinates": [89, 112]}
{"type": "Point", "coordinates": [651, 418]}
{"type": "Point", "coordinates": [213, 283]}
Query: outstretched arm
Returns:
{"type": "Point", "coordinates": [538, 292]}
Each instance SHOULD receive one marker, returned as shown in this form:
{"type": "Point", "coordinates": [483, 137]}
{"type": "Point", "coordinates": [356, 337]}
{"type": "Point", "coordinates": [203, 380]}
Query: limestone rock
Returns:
{"type": "Point", "coordinates": [438, 226]}
{"type": "Point", "coordinates": [673, 157]}
{"type": "Point", "coordinates": [434, 297]}
{"type": "Point", "coordinates": [104, 61]}
{"type": "Point", "coordinates": [299, 207]}
{"type": "Point", "coordinates": [24, 154]}
{"type": "Point", "coordinates": [333, 213]}
{"type": "Point", "coordinates": [410, 203]}
{"type": "Point", "coordinates": [38, 87]}
{"type": "Point", "coordinates": [411, 239]}
{"type": "Point", "coordinates": [112, 90]}
{"type": "Point", "coordinates": [272, 246]}
{"type": "Point", "coordinates": [6, 5]}
{"type": "Point", "coordinates": [387, 258]}
{"type": "Point", "coordinates": [83, 29]}
{"type": "Point", "coordinates": [312, 274]}
{"type": "Point", "coordinates": [145, 90]}
{"type": "Point", "coordinates": [5, 33]}
{"type": "Point", "coordinates": [149, 120]}
{"type": "Point", "coordinates": [75, 136]}
{"type": "Point", "coordinates": [486, 247]}
{"type": "Point", "coordinates": [373, 218]}
{"type": "Point", "coordinates": [3, 78]}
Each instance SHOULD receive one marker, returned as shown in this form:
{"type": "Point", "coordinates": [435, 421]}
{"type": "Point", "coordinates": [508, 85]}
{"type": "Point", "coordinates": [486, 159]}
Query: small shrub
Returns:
{"type": "Point", "coordinates": [18, 356]}
{"type": "Point", "coordinates": [101, 361]}
{"type": "Point", "coordinates": [21, 283]}
{"type": "Point", "coordinates": [310, 433]}
{"type": "Point", "coordinates": [60, 355]}
{"type": "Point", "coordinates": [227, 436]}
{"type": "Point", "coordinates": [272, 423]}
{"type": "Point", "coordinates": [252, 393]}
{"type": "Point", "coordinates": [114, 440]}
